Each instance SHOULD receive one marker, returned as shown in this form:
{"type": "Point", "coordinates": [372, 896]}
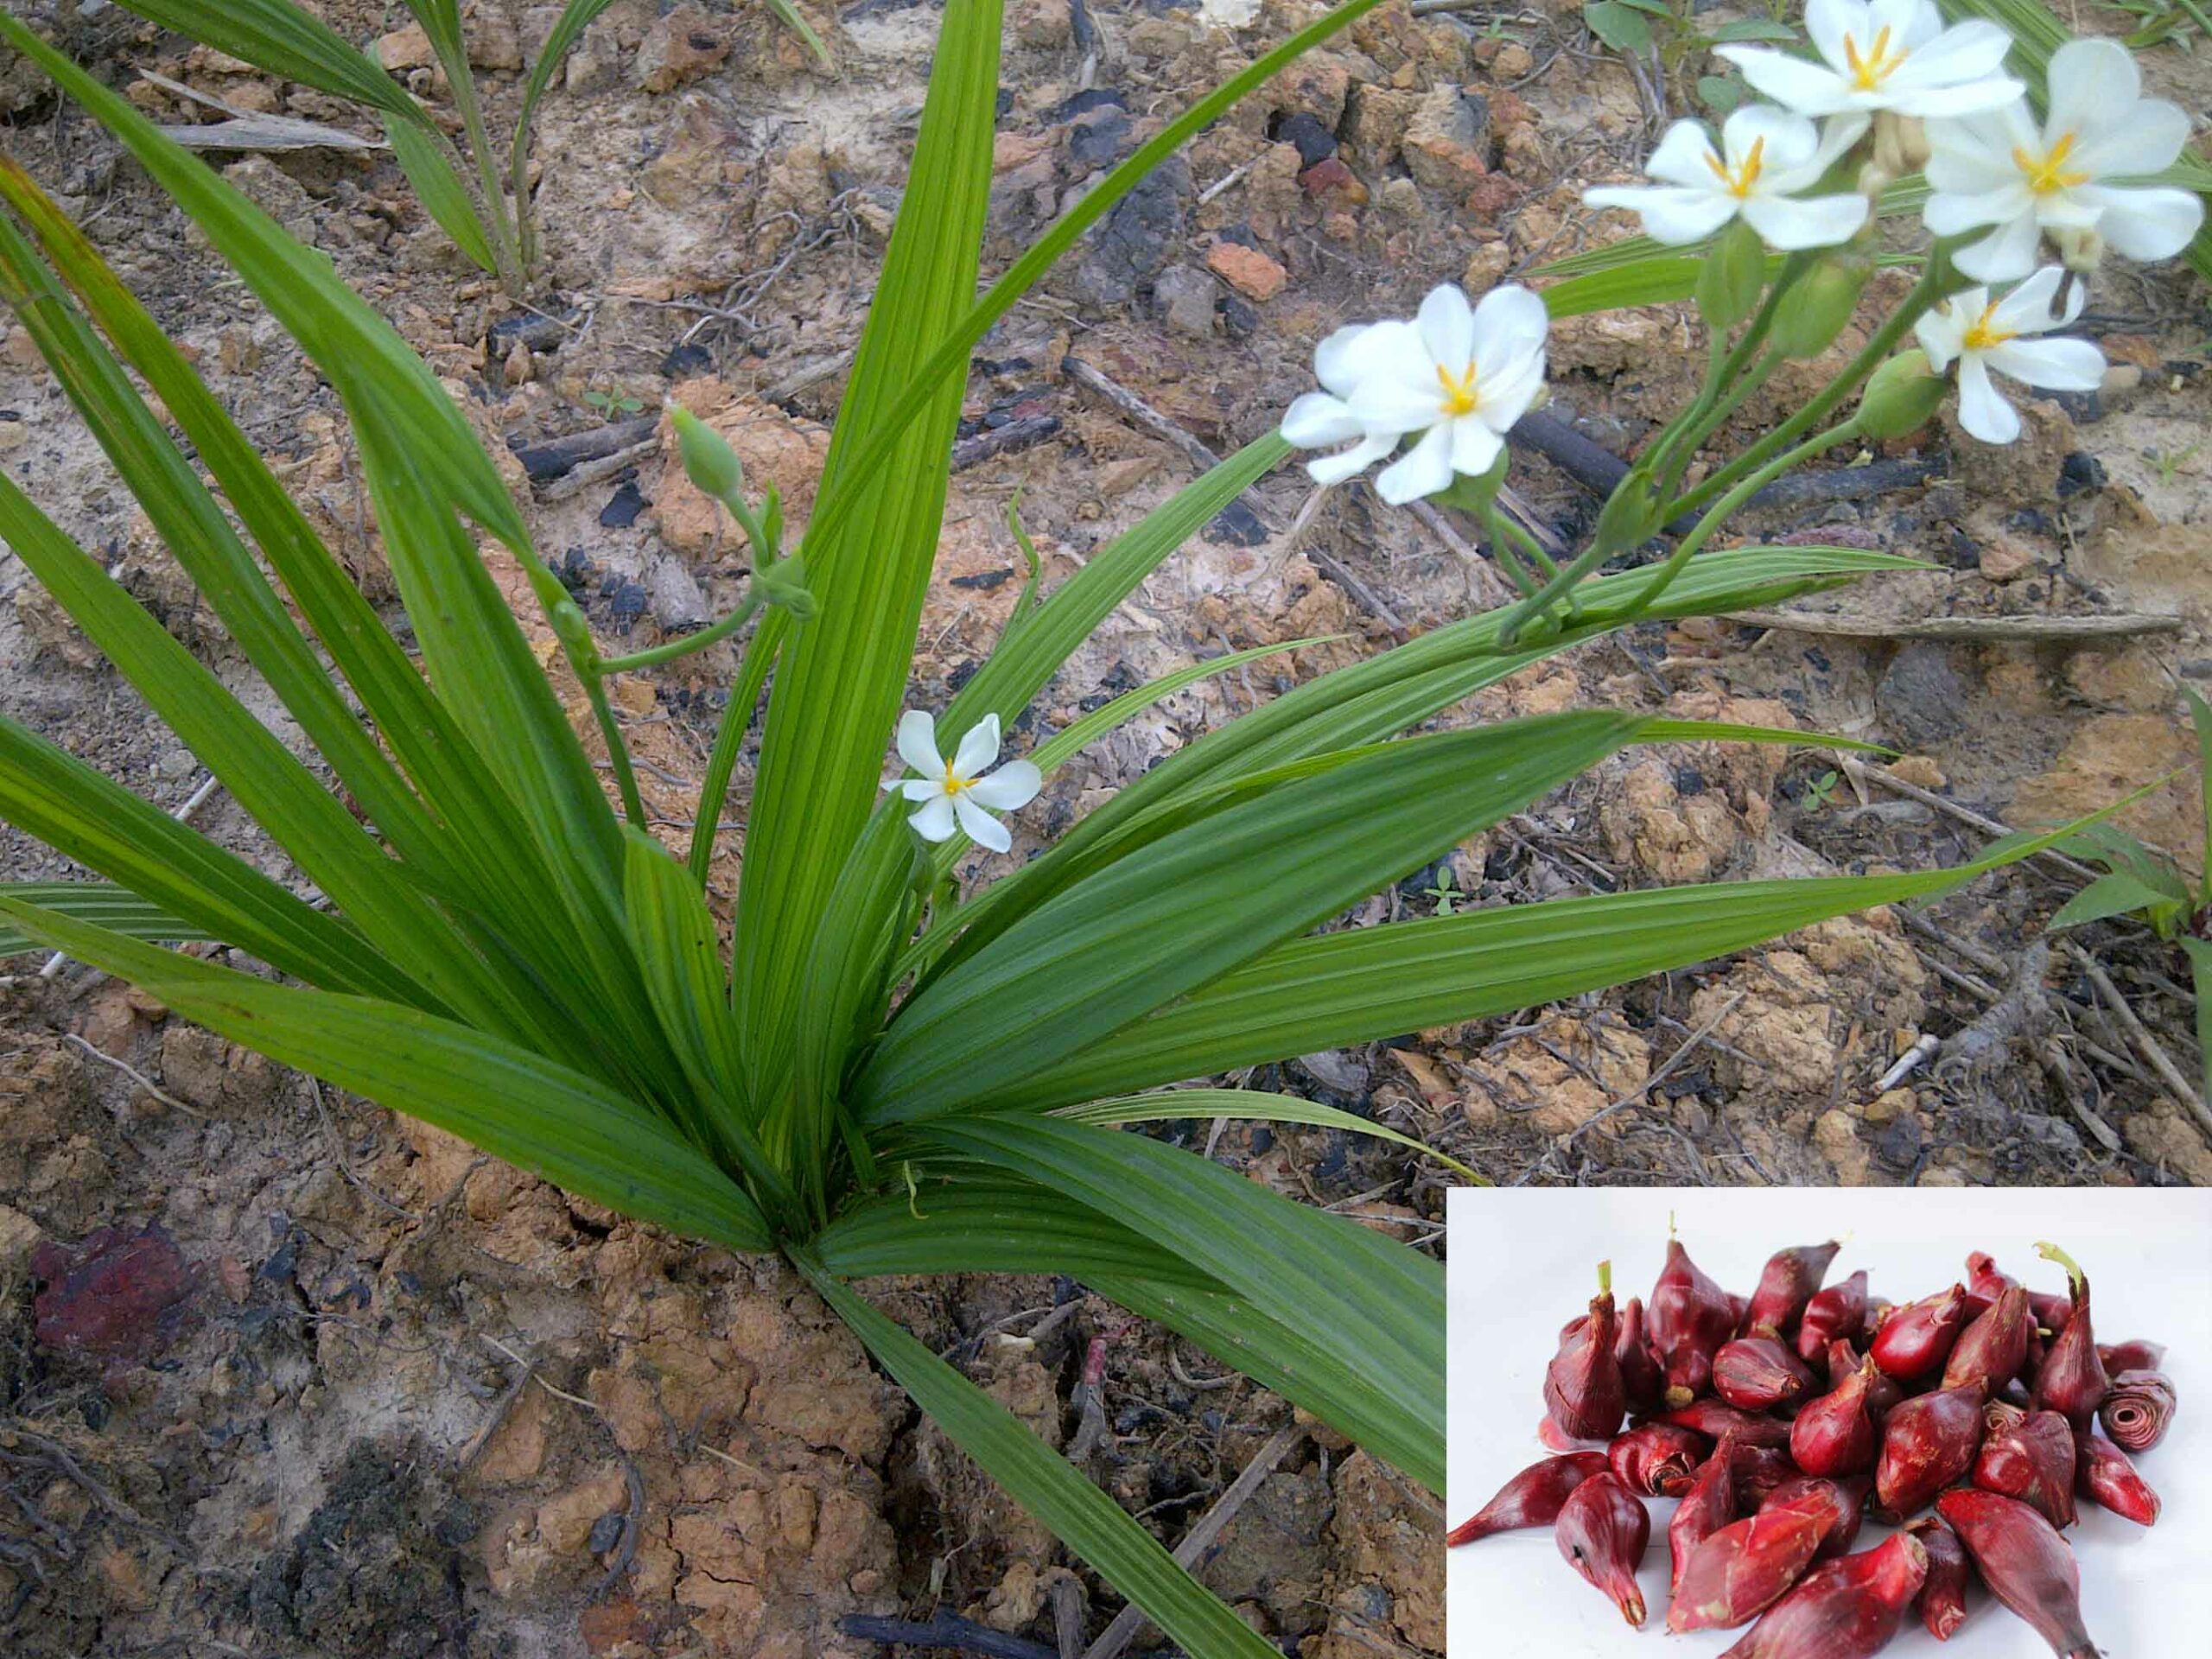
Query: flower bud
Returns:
{"type": "Point", "coordinates": [1732, 277]}
{"type": "Point", "coordinates": [2080, 251]}
{"type": "Point", "coordinates": [570, 624]}
{"type": "Point", "coordinates": [1900, 142]}
{"type": "Point", "coordinates": [783, 584]}
{"type": "Point", "coordinates": [771, 515]}
{"type": "Point", "coordinates": [1471, 492]}
{"type": "Point", "coordinates": [1630, 518]}
{"type": "Point", "coordinates": [1817, 308]}
{"type": "Point", "coordinates": [709, 461]}
{"type": "Point", "coordinates": [1901, 396]}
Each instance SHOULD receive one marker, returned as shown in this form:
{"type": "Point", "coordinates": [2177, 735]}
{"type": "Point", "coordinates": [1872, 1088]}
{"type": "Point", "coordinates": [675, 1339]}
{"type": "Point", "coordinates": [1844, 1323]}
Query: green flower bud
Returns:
{"type": "Point", "coordinates": [1630, 515]}
{"type": "Point", "coordinates": [709, 461]}
{"type": "Point", "coordinates": [1732, 277]}
{"type": "Point", "coordinates": [1901, 396]}
{"type": "Point", "coordinates": [1814, 312]}
{"type": "Point", "coordinates": [783, 584]}
{"type": "Point", "coordinates": [771, 515]}
{"type": "Point", "coordinates": [1470, 494]}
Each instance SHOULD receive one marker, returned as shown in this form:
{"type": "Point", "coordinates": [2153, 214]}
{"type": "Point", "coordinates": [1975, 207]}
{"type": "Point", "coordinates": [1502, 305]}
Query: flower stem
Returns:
{"type": "Point", "coordinates": [655, 655]}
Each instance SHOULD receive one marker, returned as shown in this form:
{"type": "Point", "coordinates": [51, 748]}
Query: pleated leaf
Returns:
{"type": "Point", "coordinates": [104, 905]}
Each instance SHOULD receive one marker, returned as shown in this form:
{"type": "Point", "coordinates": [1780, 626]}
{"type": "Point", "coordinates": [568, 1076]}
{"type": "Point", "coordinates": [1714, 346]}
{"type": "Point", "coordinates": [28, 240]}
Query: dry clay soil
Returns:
{"type": "Point", "coordinates": [281, 1374]}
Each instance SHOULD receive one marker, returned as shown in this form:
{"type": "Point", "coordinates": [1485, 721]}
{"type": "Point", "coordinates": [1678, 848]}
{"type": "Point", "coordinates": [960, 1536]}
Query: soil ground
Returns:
{"type": "Point", "coordinates": [282, 1373]}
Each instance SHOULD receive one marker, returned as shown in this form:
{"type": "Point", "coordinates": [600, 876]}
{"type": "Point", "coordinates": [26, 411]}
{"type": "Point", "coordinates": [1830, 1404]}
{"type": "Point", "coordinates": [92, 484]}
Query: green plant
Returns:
{"type": "Point", "coordinates": [1670, 31]}
{"type": "Point", "coordinates": [877, 1077]}
{"type": "Point", "coordinates": [1822, 789]}
{"type": "Point", "coordinates": [2170, 461]}
{"type": "Point", "coordinates": [492, 218]}
{"type": "Point", "coordinates": [612, 403]}
{"type": "Point", "coordinates": [1444, 892]}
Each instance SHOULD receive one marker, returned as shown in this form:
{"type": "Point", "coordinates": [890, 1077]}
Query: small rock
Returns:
{"type": "Point", "coordinates": [1332, 179]}
{"type": "Point", "coordinates": [1314, 141]}
{"type": "Point", "coordinates": [1247, 271]}
{"type": "Point", "coordinates": [678, 606]}
{"type": "Point", "coordinates": [1099, 139]}
{"type": "Point", "coordinates": [19, 1235]}
{"type": "Point", "coordinates": [1441, 142]}
{"type": "Point", "coordinates": [683, 46]}
{"type": "Point", "coordinates": [405, 49]}
{"type": "Point", "coordinates": [14, 434]}
{"type": "Point", "coordinates": [2002, 558]}
{"type": "Point", "coordinates": [1045, 24]}
{"type": "Point", "coordinates": [1134, 243]}
{"type": "Point", "coordinates": [1921, 698]}
{"type": "Point", "coordinates": [115, 1296]}
{"type": "Point", "coordinates": [1185, 298]}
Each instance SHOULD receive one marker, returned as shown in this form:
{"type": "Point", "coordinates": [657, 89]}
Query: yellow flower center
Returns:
{"type": "Point", "coordinates": [1877, 66]}
{"type": "Point", "coordinates": [1739, 181]}
{"type": "Point", "coordinates": [1460, 396]}
{"type": "Point", "coordinates": [2049, 174]}
{"type": "Point", "coordinates": [954, 782]}
{"type": "Point", "coordinates": [1984, 333]}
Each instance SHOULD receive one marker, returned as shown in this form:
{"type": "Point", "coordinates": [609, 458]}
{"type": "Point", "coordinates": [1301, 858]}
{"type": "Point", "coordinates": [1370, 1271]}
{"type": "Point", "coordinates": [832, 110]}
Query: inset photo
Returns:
{"type": "Point", "coordinates": [1828, 1423]}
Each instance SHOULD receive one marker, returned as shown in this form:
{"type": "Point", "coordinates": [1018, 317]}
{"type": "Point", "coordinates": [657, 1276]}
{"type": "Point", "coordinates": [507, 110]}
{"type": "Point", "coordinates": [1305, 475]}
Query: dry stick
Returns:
{"type": "Point", "coordinates": [1667, 1067]}
{"type": "Point", "coordinates": [1206, 461]}
{"type": "Point", "coordinates": [1986, 629]}
{"type": "Point", "coordinates": [134, 1074]}
{"type": "Point", "coordinates": [1857, 770]}
{"type": "Point", "coordinates": [1119, 1633]}
{"type": "Point", "coordinates": [1067, 1616]}
{"type": "Point", "coordinates": [943, 1630]}
{"type": "Point", "coordinates": [2147, 1045]}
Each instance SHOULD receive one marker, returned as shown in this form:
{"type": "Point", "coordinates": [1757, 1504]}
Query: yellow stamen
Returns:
{"type": "Point", "coordinates": [954, 782]}
{"type": "Point", "coordinates": [1460, 396]}
{"type": "Point", "coordinates": [1985, 332]}
{"type": "Point", "coordinates": [1740, 181]}
{"type": "Point", "coordinates": [2048, 175]}
{"type": "Point", "coordinates": [1868, 73]}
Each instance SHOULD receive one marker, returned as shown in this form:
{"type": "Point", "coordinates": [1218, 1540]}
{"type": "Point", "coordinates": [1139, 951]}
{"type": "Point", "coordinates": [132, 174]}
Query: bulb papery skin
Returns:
{"type": "Point", "coordinates": [1759, 1373]}
{"type": "Point", "coordinates": [1656, 1460]}
{"type": "Point", "coordinates": [1584, 1394]}
{"type": "Point", "coordinates": [1786, 1286]}
{"type": "Point", "coordinates": [1990, 1350]}
{"type": "Point", "coordinates": [1850, 1608]}
{"type": "Point", "coordinates": [1836, 1434]}
{"type": "Point", "coordinates": [1928, 1442]}
{"type": "Point", "coordinates": [1916, 1339]}
{"type": "Point", "coordinates": [1840, 1504]}
{"type": "Point", "coordinates": [1602, 1530]}
{"type": "Point", "coordinates": [1532, 1498]}
{"type": "Point", "coordinates": [2033, 1461]}
{"type": "Point", "coordinates": [2025, 1562]}
{"type": "Point", "coordinates": [1837, 1310]}
{"type": "Point", "coordinates": [1942, 1599]}
{"type": "Point", "coordinates": [1745, 1568]}
{"type": "Point", "coordinates": [1717, 1420]}
{"type": "Point", "coordinates": [2137, 1408]}
{"type": "Point", "coordinates": [1688, 1317]}
{"type": "Point", "coordinates": [1707, 1506]}
{"type": "Point", "coordinates": [2104, 1475]}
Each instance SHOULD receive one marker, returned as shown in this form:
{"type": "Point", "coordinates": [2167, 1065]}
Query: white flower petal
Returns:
{"type": "Point", "coordinates": [2049, 364]}
{"type": "Point", "coordinates": [1982, 409]}
{"type": "Point", "coordinates": [1910, 23]}
{"type": "Point", "coordinates": [1423, 470]}
{"type": "Point", "coordinates": [919, 789]}
{"type": "Point", "coordinates": [2152, 224]}
{"type": "Point", "coordinates": [2142, 138]}
{"type": "Point", "coordinates": [1315, 420]}
{"type": "Point", "coordinates": [1507, 395]}
{"type": "Point", "coordinates": [1334, 469]}
{"type": "Point", "coordinates": [1510, 326]}
{"type": "Point", "coordinates": [1683, 155]}
{"type": "Point", "coordinates": [1941, 332]}
{"type": "Point", "coordinates": [1474, 447]}
{"type": "Point", "coordinates": [1973, 97]}
{"type": "Point", "coordinates": [1336, 359]}
{"type": "Point", "coordinates": [982, 829]}
{"type": "Point", "coordinates": [979, 746]}
{"type": "Point", "coordinates": [2007, 251]}
{"type": "Point", "coordinates": [1670, 214]}
{"type": "Point", "coordinates": [1808, 88]}
{"type": "Point", "coordinates": [1972, 51]}
{"type": "Point", "coordinates": [917, 742]}
{"type": "Point", "coordinates": [1969, 157]}
{"type": "Point", "coordinates": [1950, 213]}
{"type": "Point", "coordinates": [1393, 406]}
{"type": "Point", "coordinates": [1815, 222]}
{"type": "Point", "coordinates": [2090, 82]}
{"type": "Point", "coordinates": [1013, 786]}
{"type": "Point", "coordinates": [1447, 327]}
{"type": "Point", "coordinates": [935, 821]}
{"type": "Point", "coordinates": [1785, 142]}
{"type": "Point", "coordinates": [2028, 309]}
{"type": "Point", "coordinates": [1826, 24]}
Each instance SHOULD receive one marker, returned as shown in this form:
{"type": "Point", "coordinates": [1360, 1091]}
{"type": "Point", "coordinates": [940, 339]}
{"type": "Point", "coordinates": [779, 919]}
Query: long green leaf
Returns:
{"type": "Point", "coordinates": [1368, 984]}
{"type": "Point", "coordinates": [540, 1117]}
{"type": "Point", "coordinates": [89, 817]}
{"type": "Point", "coordinates": [1046, 1484]}
{"type": "Point", "coordinates": [423, 156]}
{"type": "Point", "coordinates": [1389, 694]}
{"type": "Point", "coordinates": [988, 1222]}
{"type": "Point", "coordinates": [840, 680]}
{"type": "Point", "coordinates": [1252, 1105]}
{"type": "Point", "coordinates": [1377, 1305]}
{"type": "Point", "coordinates": [279, 37]}
{"type": "Point", "coordinates": [103, 904]}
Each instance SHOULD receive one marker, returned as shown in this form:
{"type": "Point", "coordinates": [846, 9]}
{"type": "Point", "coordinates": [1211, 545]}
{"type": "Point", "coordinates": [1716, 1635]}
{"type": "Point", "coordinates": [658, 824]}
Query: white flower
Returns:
{"type": "Point", "coordinates": [1998, 169]}
{"type": "Point", "coordinates": [1892, 54]}
{"type": "Point", "coordinates": [1460, 375]}
{"type": "Point", "coordinates": [1766, 156]}
{"type": "Point", "coordinates": [1985, 334]}
{"type": "Point", "coordinates": [954, 793]}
